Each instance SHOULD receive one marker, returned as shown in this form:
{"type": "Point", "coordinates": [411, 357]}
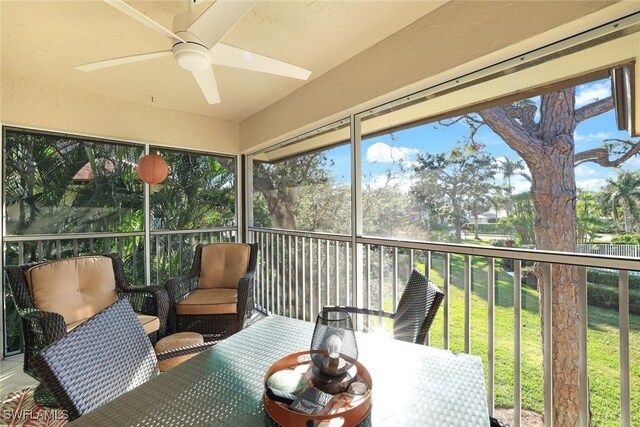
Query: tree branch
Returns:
{"type": "Point", "coordinates": [513, 133]}
{"type": "Point", "coordinates": [525, 113]}
{"type": "Point", "coordinates": [601, 156]}
{"type": "Point", "coordinates": [593, 109]}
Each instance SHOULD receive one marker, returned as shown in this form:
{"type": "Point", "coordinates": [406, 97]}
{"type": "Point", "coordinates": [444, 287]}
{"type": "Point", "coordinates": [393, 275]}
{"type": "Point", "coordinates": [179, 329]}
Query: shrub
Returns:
{"type": "Point", "coordinates": [529, 279]}
{"type": "Point", "coordinates": [490, 228]}
{"type": "Point", "coordinates": [607, 297]}
{"type": "Point", "coordinates": [626, 239]}
{"type": "Point", "coordinates": [502, 243]}
{"type": "Point", "coordinates": [507, 263]}
{"type": "Point", "coordinates": [608, 279]}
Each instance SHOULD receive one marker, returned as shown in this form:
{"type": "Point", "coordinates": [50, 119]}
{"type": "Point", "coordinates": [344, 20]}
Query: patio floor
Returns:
{"type": "Point", "coordinates": [11, 376]}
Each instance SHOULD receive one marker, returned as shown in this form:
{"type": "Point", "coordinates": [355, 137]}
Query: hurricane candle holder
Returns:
{"type": "Point", "coordinates": [334, 351]}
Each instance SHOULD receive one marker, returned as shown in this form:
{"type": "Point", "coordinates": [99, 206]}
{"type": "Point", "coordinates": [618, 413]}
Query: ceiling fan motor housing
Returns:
{"type": "Point", "coordinates": [192, 55]}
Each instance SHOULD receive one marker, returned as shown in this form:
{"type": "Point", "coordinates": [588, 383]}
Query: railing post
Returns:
{"type": "Point", "coordinates": [327, 273]}
{"type": "Point", "coordinates": [311, 289]}
{"type": "Point", "coordinates": [337, 270]}
{"type": "Point", "coordinates": [394, 278]}
{"type": "Point", "coordinates": [467, 304]}
{"type": "Point", "coordinates": [367, 282]}
{"type": "Point", "coordinates": [304, 279]}
{"type": "Point", "coordinates": [319, 273]}
{"type": "Point", "coordinates": [348, 292]}
{"type": "Point", "coordinates": [583, 313]}
{"type": "Point", "coordinates": [380, 279]}
{"type": "Point", "coordinates": [427, 274]}
{"type": "Point", "coordinates": [517, 343]}
{"type": "Point", "coordinates": [547, 337]}
{"type": "Point", "coordinates": [277, 285]}
{"type": "Point", "coordinates": [623, 310]}
{"type": "Point", "coordinates": [491, 302]}
{"type": "Point", "coordinates": [446, 278]}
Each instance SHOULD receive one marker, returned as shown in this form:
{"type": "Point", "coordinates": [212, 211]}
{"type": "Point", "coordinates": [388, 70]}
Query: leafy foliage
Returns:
{"type": "Point", "coordinates": [626, 239]}
{"type": "Point", "coordinates": [450, 184]}
{"type": "Point", "coordinates": [198, 193]}
{"type": "Point", "coordinates": [56, 184]}
{"type": "Point", "coordinates": [622, 197]}
{"type": "Point", "coordinates": [284, 187]}
{"type": "Point", "coordinates": [589, 215]}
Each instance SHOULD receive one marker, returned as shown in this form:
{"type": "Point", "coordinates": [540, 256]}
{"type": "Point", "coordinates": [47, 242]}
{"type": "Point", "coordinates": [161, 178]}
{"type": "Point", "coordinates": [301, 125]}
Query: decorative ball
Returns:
{"type": "Point", "coordinates": [152, 169]}
{"type": "Point", "coordinates": [288, 381]}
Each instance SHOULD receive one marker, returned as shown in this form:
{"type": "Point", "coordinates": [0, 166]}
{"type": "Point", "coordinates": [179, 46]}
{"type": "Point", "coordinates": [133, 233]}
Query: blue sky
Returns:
{"type": "Point", "coordinates": [386, 153]}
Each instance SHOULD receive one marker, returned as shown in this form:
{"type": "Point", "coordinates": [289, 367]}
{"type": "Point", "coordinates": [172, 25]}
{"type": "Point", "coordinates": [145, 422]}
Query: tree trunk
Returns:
{"type": "Point", "coordinates": [548, 148]}
{"type": "Point", "coordinates": [626, 215]}
{"type": "Point", "coordinates": [280, 210]}
{"type": "Point", "coordinates": [554, 202]}
{"type": "Point", "coordinates": [475, 220]}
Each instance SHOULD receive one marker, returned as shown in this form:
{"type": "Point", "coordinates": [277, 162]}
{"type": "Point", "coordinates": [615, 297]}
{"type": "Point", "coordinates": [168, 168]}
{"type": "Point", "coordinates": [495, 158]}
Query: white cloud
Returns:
{"type": "Point", "coordinates": [592, 184]}
{"type": "Point", "coordinates": [381, 152]}
{"type": "Point", "coordinates": [520, 184]}
{"type": "Point", "coordinates": [598, 136]}
{"type": "Point", "coordinates": [633, 164]}
{"type": "Point", "coordinates": [584, 170]}
{"type": "Point", "coordinates": [592, 92]}
{"type": "Point", "coordinates": [402, 182]}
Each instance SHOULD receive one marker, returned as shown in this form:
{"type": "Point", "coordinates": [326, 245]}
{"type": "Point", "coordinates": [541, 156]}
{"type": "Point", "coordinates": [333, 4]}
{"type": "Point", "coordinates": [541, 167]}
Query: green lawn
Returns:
{"type": "Point", "coordinates": [603, 361]}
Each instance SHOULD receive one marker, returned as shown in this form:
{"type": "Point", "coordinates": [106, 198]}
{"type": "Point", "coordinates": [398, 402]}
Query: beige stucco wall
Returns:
{"type": "Point", "coordinates": [458, 38]}
{"type": "Point", "coordinates": [38, 105]}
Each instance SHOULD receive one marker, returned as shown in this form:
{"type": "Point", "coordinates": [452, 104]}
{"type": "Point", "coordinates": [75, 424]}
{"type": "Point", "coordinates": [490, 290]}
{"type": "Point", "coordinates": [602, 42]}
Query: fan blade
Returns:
{"type": "Point", "coordinates": [218, 19]}
{"type": "Point", "coordinates": [122, 60]}
{"type": "Point", "coordinates": [230, 56]}
{"type": "Point", "coordinates": [140, 17]}
{"type": "Point", "coordinates": [207, 82]}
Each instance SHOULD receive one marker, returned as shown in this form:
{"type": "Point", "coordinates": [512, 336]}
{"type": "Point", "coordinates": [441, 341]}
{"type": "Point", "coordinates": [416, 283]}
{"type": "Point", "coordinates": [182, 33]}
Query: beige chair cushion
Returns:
{"type": "Point", "coordinates": [76, 288]}
{"type": "Point", "coordinates": [149, 323]}
{"type": "Point", "coordinates": [209, 301]}
{"type": "Point", "coordinates": [223, 264]}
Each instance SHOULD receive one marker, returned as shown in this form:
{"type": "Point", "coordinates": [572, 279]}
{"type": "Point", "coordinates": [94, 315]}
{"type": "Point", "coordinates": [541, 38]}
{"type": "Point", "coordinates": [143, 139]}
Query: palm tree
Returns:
{"type": "Point", "coordinates": [623, 193]}
{"type": "Point", "coordinates": [590, 217]}
{"type": "Point", "coordinates": [510, 168]}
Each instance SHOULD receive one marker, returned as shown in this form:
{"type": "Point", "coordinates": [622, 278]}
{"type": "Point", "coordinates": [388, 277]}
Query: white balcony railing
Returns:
{"type": "Point", "coordinates": [300, 272]}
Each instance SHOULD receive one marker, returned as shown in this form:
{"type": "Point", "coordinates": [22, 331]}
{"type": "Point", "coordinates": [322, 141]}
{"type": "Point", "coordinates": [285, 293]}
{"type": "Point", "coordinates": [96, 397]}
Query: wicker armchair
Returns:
{"type": "Point", "coordinates": [43, 324]}
{"type": "Point", "coordinates": [216, 296]}
{"type": "Point", "coordinates": [416, 310]}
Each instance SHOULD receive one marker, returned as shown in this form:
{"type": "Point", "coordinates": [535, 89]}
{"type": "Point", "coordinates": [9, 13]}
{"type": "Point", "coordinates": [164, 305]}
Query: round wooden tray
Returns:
{"type": "Point", "coordinates": [288, 418]}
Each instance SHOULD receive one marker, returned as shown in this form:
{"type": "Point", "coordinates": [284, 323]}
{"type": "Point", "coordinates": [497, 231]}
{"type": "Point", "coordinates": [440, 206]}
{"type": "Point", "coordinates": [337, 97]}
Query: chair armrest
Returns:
{"type": "Point", "coordinates": [50, 325]}
{"type": "Point", "coordinates": [245, 298]}
{"type": "Point", "coordinates": [183, 351]}
{"type": "Point", "coordinates": [361, 310]}
{"type": "Point", "coordinates": [179, 287]}
{"type": "Point", "coordinates": [150, 300]}
{"type": "Point", "coordinates": [40, 329]}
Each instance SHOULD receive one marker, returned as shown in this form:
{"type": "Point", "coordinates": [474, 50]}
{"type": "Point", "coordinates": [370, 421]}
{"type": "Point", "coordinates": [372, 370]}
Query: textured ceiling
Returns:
{"type": "Point", "coordinates": [44, 40]}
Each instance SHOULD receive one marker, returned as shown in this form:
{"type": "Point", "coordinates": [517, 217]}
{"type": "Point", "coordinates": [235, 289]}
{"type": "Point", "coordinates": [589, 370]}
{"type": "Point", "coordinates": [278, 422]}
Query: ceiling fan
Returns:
{"type": "Point", "coordinates": [196, 45]}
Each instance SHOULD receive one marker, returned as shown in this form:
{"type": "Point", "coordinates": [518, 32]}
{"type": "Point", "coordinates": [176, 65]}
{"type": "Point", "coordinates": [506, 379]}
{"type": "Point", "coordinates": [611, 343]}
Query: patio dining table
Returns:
{"type": "Point", "coordinates": [413, 385]}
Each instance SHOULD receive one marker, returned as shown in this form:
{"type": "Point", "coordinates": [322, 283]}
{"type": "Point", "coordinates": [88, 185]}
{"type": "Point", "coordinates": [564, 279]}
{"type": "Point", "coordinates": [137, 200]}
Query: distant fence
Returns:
{"type": "Point", "coordinates": [630, 251]}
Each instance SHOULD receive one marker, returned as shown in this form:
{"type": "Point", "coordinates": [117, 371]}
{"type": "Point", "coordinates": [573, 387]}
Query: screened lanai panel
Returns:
{"type": "Point", "coordinates": [305, 184]}
{"type": "Point", "coordinates": [546, 171]}
{"type": "Point", "coordinates": [468, 177]}
{"type": "Point", "coordinates": [195, 204]}
{"type": "Point", "coordinates": [56, 184]}
{"type": "Point", "coordinates": [199, 192]}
